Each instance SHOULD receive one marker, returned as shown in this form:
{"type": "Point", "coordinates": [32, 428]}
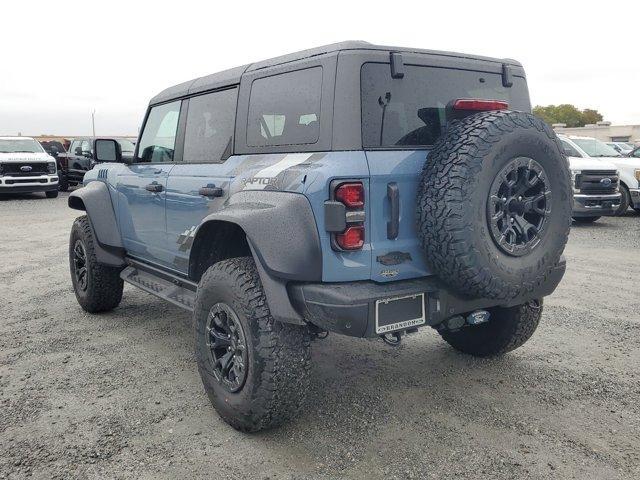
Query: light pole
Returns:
{"type": "Point", "coordinates": [93, 122]}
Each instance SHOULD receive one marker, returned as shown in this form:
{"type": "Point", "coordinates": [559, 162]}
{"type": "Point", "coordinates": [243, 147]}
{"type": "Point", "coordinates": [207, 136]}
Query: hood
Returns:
{"type": "Point", "coordinates": [20, 157]}
{"type": "Point", "coordinates": [579, 163]}
{"type": "Point", "coordinates": [631, 162]}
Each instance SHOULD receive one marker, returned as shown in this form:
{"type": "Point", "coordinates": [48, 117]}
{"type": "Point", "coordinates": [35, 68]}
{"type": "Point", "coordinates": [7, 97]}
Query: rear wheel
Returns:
{"type": "Point", "coordinates": [98, 287]}
{"type": "Point", "coordinates": [506, 330]}
{"type": "Point", "coordinates": [585, 219]}
{"type": "Point", "coordinates": [255, 369]}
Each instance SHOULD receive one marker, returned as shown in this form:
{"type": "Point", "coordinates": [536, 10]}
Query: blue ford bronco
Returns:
{"type": "Point", "coordinates": [351, 188]}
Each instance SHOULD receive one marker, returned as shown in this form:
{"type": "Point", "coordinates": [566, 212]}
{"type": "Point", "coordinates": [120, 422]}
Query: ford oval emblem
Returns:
{"type": "Point", "coordinates": [606, 182]}
{"type": "Point", "coordinates": [26, 168]}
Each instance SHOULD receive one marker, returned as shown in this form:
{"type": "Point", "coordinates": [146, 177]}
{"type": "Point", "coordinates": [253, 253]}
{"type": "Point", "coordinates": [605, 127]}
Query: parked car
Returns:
{"type": "Point", "coordinates": [26, 168]}
{"type": "Point", "coordinates": [622, 148]}
{"type": "Point", "coordinates": [595, 184]}
{"type": "Point", "coordinates": [80, 159]}
{"type": "Point", "coordinates": [289, 198]}
{"type": "Point", "coordinates": [628, 169]}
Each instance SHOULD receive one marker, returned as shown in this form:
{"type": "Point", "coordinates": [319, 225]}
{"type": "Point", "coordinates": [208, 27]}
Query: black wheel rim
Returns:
{"type": "Point", "coordinates": [519, 205]}
{"type": "Point", "coordinates": [227, 347]}
{"type": "Point", "coordinates": [80, 265]}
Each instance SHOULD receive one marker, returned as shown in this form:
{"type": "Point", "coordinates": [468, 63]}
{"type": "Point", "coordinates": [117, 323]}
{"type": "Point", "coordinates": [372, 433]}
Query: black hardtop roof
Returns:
{"type": "Point", "coordinates": [233, 75]}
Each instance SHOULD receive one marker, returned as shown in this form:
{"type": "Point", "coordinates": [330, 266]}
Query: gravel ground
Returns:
{"type": "Point", "coordinates": [117, 395]}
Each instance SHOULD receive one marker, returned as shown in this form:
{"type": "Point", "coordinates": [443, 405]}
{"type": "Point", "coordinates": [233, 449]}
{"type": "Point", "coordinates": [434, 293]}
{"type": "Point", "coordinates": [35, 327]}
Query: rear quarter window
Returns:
{"type": "Point", "coordinates": [411, 111]}
{"type": "Point", "coordinates": [284, 109]}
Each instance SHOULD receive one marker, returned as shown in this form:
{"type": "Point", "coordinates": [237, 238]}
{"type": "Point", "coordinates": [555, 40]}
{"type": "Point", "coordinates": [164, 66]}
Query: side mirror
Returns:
{"type": "Point", "coordinates": [107, 150]}
{"type": "Point", "coordinates": [78, 152]}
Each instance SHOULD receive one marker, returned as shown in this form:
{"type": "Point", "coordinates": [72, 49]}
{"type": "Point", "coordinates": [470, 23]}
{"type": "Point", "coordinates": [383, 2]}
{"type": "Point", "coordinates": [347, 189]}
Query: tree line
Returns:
{"type": "Point", "coordinates": [567, 114]}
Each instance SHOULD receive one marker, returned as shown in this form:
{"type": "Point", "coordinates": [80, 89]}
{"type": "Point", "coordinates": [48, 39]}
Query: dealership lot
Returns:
{"type": "Point", "coordinates": [118, 394]}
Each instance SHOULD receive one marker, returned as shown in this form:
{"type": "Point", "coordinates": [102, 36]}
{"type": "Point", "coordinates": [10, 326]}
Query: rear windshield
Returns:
{"type": "Point", "coordinates": [410, 111]}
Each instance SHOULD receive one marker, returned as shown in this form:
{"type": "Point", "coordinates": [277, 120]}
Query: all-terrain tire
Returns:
{"type": "Point", "coordinates": [51, 194]}
{"type": "Point", "coordinates": [625, 200]}
{"type": "Point", "coordinates": [585, 220]}
{"type": "Point", "coordinates": [453, 202]}
{"type": "Point", "coordinates": [63, 182]}
{"type": "Point", "coordinates": [103, 289]}
{"type": "Point", "coordinates": [278, 363]}
{"type": "Point", "coordinates": [506, 330]}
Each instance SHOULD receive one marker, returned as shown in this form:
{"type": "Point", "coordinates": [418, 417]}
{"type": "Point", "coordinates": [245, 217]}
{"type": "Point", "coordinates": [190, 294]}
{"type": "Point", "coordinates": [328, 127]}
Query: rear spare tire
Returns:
{"type": "Point", "coordinates": [494, 204]}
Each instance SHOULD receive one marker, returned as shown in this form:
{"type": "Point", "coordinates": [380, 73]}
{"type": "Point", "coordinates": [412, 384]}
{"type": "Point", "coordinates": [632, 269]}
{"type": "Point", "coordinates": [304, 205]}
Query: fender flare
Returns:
{"type": "Point", "coordinates": [280, 228]}
{"type": "Point", "coordinates": [94, 198]}
{"type": "Point", "coordinates": [283, 238]}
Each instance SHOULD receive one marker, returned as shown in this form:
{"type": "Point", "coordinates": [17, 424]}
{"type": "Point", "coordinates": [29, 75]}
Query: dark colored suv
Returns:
{"type": "Point", "coordinates": [73, 165]}
{"type": "Point", "coordinates": [352, 188]}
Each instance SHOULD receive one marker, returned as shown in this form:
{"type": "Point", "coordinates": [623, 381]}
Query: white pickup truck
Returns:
{"type": "Point", "coordinates": [595, 183]}
{"type": "Point", "coordinates": [25, 167]}
{"type": "Point", "coordinates": [628, 169]}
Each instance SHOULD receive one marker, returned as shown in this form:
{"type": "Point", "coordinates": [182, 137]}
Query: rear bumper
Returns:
{"type": "Point", "coordinates": [595, 205]}
{"type": "Point", "coordinates": [349, 308]}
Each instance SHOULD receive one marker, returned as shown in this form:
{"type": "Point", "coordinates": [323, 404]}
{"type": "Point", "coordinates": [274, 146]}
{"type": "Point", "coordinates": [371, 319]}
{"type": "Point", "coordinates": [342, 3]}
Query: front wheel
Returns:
{"type": "Point", "coordinates": [506, 330]}
{"type": "Point", "coordinates": [585, 219]}
{"type": "Point", "coordinates": [255, 369]}
{"type": "Point", "coordinates": [625, 200]}
{"type": "Point", "coordinates": [63, 182]}
{"type": "Point", "coordinates": [98, 287]}
{"type": "Point", "coordinates": [51, 194]}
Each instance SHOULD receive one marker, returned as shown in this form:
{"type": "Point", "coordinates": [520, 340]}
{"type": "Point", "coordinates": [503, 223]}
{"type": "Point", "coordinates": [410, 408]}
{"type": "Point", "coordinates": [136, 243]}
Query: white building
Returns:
{"type": "Point", "coordinates": [603, 131]}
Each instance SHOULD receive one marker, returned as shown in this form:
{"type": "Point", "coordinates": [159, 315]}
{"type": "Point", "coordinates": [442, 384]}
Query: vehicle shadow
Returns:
{"type": "Point", "coordinates": [22, 196]}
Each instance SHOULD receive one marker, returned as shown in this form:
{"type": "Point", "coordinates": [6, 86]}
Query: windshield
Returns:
{"type": "Point", "coordinates": [22, 145]}
{"type": "Point", "coordinates": [126, 145]}
{"type": "Point", "coordinates": [595, 148]}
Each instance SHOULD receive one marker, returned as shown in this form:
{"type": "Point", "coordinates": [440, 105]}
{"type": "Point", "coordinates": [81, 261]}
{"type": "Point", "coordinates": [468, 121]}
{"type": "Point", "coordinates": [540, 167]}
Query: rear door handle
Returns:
{"type": "Point", "coordinates": [154, 187]}
{"type": "Point", "coordinates": [211, 191]}
{"type": "Point", "coordinates": [393, 225]}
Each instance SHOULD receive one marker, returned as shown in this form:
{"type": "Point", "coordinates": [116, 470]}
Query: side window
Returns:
{"type": "Point", "coordinates": [85, 147]}
{"type": "Point", "coordinates": [284, 109]}
{"type": "Point", "coordinates": [158, 139]}
{"type": "Point", "coordinates": [75, 147]}
{"type": "Point", "coordinates": [569, 150]}
{"type": "Point", "coordinates": [209, 130]}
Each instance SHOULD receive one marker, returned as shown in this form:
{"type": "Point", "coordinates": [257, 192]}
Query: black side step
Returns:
{"type": "Point", "coordinates": [178, 291]}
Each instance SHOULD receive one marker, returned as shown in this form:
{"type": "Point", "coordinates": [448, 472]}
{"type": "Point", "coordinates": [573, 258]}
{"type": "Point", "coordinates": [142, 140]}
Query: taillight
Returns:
{"type": "Point", "coordinates": [352, 238]}
{"type": "Point", "coordinates": [344, 215]}
{"type": "Point", "coordinates": [478, 105]}
{"type": "Point", "coordinates": [351, 194]}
